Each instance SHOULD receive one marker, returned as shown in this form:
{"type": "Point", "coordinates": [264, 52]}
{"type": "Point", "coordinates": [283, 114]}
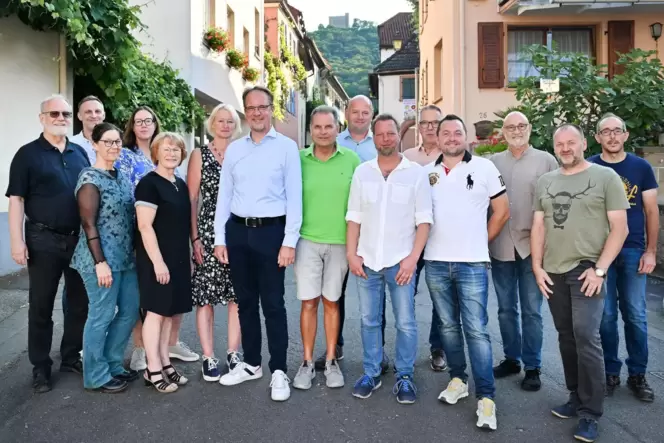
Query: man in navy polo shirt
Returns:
{"type": "Point", "coordinates": [626, 278]}
{"type": "Point", "coordinates": [42, 179]}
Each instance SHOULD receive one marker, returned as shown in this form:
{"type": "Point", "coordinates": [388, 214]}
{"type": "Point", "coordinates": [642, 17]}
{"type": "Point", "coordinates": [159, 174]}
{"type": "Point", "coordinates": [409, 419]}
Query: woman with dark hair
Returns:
{"type": "Point", "coordinates": [135, 161]}
{"type": "Point", "coordinates": [104, 258]}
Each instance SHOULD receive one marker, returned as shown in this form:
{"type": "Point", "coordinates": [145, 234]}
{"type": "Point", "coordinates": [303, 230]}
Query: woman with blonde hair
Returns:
{"type": "Point", "coordinates": [162, 256]}
{"type": "Point", "coordinates": [211, 280]}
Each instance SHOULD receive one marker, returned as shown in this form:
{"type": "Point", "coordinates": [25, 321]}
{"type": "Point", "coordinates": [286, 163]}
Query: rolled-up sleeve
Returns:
{"type": "Point", "coordinates": [293, 197]}
{"type": "Point", "coordinates": [354, 213]}
{"type": "Point", "coordinates": [224, 196]}
{"type": "Point", "coordinates": [423, 200]}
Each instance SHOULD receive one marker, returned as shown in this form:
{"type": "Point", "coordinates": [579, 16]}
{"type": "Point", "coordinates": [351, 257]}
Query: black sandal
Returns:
{"type": "Point", "coordinates": [160, 385]}
{"type": "Point", "coordinates": [175, 376]}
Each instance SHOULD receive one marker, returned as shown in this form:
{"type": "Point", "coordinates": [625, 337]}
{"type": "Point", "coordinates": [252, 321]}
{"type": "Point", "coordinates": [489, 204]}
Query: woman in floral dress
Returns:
{"type": "Point", "coordinates": [211, 283]}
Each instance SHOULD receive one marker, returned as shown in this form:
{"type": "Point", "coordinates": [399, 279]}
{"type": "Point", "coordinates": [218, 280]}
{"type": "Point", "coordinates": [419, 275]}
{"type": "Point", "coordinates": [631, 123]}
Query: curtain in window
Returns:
{"type": "Point", "coordinates": [408, 88]}
{"type": "Point", "coordinates": [518, 64]}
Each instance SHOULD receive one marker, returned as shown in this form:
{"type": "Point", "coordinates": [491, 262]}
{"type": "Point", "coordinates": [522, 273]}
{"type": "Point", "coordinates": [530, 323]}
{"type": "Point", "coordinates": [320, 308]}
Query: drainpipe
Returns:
{"type": "Point", "coordinates": [462, 31]}
{"type": "Point", "coordinates": [417, 106]}
{"type": "Point", "coordinates": [62, 65]}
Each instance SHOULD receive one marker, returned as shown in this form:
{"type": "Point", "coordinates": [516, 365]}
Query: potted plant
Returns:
{"type": "Point", "coordinates": [236, 60]}
{"type": "Point", "coordinates": [215, 39]}
{"type": "Point", "coordinates": [250, 74]}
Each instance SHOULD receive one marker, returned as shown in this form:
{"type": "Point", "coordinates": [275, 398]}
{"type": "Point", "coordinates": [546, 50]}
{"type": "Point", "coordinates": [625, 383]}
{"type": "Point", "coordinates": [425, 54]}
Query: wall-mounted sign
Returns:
{"type": "Point", "coordinates": [549, 85]}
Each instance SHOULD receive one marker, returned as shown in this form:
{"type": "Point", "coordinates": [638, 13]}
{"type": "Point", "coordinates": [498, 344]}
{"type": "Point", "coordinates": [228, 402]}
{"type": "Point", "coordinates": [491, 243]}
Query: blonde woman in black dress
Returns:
{"type": "Point", "coordinates": [212, 280]}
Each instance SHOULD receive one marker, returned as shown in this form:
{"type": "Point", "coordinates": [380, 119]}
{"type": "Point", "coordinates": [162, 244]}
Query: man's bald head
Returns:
{"type": "Point", "coordinates": [359, 114]}
{"type": "Point", "coordinates": [516, 130]}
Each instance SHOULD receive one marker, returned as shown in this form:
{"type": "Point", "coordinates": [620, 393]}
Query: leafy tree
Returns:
{"type": "Point", "coordinates": [353, 52]}
{"type": "Point", "coordinates": [586, 94]}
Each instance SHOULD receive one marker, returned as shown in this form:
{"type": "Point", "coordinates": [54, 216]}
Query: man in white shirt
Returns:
{"type": "Point", "coordinates": [457, 261]}
{"type": "Point", "coordinates": [90, 114]}
{"type": "Point", "coordinates": [389, 216]}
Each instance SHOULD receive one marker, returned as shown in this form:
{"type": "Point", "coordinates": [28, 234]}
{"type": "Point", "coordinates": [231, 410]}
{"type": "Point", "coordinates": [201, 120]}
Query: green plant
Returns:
{"type": "Point", "coordinates": [250, 74]}
{"type": "Point", "coordinates": [236, 59]}
{"type": "Point", "coordinates": [316, 101]}
{"type": "Point", "coordinates": [291, 61]}
{"type": "Point", "coordinates": [216, 39]}
{"type": "Point", "coordinates": [275, 78]}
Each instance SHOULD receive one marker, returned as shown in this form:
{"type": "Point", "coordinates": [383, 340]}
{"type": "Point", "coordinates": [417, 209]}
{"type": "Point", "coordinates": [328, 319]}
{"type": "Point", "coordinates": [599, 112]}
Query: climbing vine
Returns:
{"type": "Point", "coordinates": [291, 61]}
{"type": "Point", "coordinates": [102, 46]}
{"type": "Point", "coordinates": [276, 80]}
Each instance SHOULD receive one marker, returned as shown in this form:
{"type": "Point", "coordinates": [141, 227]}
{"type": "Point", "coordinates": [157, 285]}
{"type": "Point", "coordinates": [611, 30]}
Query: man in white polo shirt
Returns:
{"type": "Point", "coordinates": [457, 261]}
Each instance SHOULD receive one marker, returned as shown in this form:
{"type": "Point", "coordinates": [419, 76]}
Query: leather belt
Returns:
{"type": "Point", "coordinates": [257, 222]}
{"type": "Point", "coordinates": [48, 228]}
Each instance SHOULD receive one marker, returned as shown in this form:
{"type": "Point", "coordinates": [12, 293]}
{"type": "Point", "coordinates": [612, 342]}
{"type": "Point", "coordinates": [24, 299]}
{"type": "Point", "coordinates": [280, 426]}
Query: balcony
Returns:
{"type": "Point", "coordinates": [569, 7]}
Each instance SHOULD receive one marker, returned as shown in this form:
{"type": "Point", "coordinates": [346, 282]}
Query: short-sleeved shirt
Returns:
{"type": "Point", "coordinates": [520, 175]}
{"type": "Point", "coordinates": [325, 190]}
{"type": "Point", "coordinates": [637, 176]}
{"type": "Point", "coordinates": [419, 155]}
{"type": "Point", "coordinates": [86, 144]}
{"type": "Point", "coordinates": [461, 198]}
{"type": "Point", "coordinates": [134, 164]}
{"type": "Point", "coordinates": [575, 214]}
{"type": "Point", "coordinates": [365, 149]}
{"type": "Point", "coordinates": [115, 222]}
{"type": "Point", "coordinates": [46, 179]}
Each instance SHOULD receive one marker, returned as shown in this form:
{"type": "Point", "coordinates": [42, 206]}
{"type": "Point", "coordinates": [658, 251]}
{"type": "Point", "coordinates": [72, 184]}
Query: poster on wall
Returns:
{"type": "Point", "coordinates": [409, 109]}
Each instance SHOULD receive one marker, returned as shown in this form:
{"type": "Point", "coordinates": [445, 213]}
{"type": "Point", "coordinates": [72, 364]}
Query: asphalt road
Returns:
{"type": "Point", "coordinates": [204, 411]}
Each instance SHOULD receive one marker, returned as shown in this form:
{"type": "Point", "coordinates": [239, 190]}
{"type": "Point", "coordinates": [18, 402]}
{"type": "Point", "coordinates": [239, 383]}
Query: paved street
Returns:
{"type": "Point", "coordinates": [209, 412]}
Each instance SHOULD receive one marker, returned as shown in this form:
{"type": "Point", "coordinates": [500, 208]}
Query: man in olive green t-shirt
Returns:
{"type": "Point", "coordinates": [579, 227]}
{"type": "Point", "coordinates": [320, 256]}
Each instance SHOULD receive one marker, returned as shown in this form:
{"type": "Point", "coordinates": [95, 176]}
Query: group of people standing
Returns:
{"type": "Point", "coordinates": [121, 221]}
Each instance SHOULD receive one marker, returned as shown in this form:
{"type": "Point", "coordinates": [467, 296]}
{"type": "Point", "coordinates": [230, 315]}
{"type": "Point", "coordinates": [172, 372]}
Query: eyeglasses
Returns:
{"type": "Point", "coordinates": [511, 128]}
{"type": "Point", "coordinates": [261, 108]}
{"type": "Point", "coordinates": [110, 143]}
{"type": "Point", "coordinates": [429, 124]}
{"type": "Point", "coordinates": [57, 114]}
{"type": "Point", "coordinates": [172, 151]}
{"type": "Point", "coordinates": [614, 131]}
{"type": "Point", "coordinates": [144, 122]}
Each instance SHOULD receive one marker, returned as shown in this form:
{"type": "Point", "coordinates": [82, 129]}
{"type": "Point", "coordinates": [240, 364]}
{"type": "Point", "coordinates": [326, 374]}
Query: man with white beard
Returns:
{"type": "Point", "coordinates": [42, 178]}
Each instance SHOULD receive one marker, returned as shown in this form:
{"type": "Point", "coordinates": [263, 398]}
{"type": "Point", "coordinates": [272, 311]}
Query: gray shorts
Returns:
{"type": "Point", "coordinates": [320, 269]}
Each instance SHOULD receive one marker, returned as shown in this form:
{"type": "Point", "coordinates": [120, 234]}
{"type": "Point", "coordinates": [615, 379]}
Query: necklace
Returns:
{"type": "Point", "coordinates": [174, 183]}
{"type": "Point", "coordinates": [217, 154]}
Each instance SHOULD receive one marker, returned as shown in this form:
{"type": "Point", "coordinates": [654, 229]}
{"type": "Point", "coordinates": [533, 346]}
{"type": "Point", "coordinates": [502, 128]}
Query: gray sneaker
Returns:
{"type": "Point", "coordinates": [334, 378]}
{"type": "Point", "coordinates": [304, 375]}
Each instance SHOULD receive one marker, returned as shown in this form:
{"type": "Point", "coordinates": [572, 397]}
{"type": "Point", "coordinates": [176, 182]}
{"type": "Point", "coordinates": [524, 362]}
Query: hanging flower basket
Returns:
{"type": "Point", "coordinates": [250, 74]}
{"type": "Point", "coordinates": [236, 60]}
{"type": "Point", "coordinates": [216, 39]}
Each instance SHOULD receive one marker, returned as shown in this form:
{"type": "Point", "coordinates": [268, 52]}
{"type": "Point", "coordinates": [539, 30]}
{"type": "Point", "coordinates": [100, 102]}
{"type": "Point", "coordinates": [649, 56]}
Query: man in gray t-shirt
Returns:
{"type": "Point", "coordinates": [579, 226]}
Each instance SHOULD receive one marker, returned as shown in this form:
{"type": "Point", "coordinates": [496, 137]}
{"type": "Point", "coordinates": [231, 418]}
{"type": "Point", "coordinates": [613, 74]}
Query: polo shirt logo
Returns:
{"type": "Point", "coordinates": [502, 182]}
{"type": "Point", "coordinates": [433, 178]}
{"type": "Point", "coordinates": [469, 182]}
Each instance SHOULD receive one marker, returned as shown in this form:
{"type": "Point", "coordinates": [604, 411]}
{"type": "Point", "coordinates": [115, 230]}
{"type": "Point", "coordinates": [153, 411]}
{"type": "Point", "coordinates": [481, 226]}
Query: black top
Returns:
{"type": "Point", "coordinates": [46, 179]}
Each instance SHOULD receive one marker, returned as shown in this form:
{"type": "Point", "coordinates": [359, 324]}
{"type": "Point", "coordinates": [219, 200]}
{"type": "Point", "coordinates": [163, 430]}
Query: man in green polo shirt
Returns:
{"type": "Point", "coordinates": [320, 256]}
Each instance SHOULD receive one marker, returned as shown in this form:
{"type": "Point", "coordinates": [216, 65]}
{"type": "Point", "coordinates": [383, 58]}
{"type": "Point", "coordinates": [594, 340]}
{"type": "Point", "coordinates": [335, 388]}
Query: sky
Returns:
{"type": "Point", "coordinates": [317, 11]}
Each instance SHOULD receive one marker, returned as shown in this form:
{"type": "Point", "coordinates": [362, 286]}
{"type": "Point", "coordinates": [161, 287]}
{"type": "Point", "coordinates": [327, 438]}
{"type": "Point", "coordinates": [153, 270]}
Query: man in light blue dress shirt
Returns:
{"type": "Point", "coordinates": [257, 226]}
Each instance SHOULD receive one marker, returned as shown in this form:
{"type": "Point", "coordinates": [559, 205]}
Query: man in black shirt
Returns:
{"type": "Point", "coordinates": [42, 179]}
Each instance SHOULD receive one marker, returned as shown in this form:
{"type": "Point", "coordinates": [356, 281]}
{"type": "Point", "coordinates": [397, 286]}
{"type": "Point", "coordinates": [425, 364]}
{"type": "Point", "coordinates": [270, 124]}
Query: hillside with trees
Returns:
{"type": "Point", "coordinates": [353, 52]}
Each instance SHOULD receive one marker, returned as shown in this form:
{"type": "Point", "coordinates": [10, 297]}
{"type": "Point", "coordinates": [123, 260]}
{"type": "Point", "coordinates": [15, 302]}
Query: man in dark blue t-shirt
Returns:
{"type": "Point", "coordinates": [626, 278]}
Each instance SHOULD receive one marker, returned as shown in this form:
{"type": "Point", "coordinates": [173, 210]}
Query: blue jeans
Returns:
{"type": "Point", "coordinates": [106, 333]}
{"type": "Point", "coordinates": [625, 289]}
{"type": "Point", "coordinates": [372, 305]}
{"type": "Point", "coordinates": [516, 285]}
{"type": "Point", "coordinates": [459, 292]}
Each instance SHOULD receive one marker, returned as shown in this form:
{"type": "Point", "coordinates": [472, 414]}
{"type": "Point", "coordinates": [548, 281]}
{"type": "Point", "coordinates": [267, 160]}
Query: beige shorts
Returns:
{"type": "Point", "coordinates": [320, 269]}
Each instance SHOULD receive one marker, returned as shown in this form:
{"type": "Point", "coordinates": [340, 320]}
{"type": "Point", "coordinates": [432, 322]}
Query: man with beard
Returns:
{"type": "Point", "coordinates": [520, 166]}
{"type": "Point", "coordinates": [42, 179]}
{"type": "Point", "coordinates": [457, 261]}
{"type": "Point", "coordinates": [579, 227]}
{"type": "Point", "coordinates": [257, 226]}
{"type": "Point", "coordinates": [389, 216]}
{"type": "Point", "coordinates": [627, 276]}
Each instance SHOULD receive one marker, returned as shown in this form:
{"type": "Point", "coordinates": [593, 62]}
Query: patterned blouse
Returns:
{"type": "Point", "coordinates": [135, 165]}
{"type": "Point", "coordinates": [112, 224]}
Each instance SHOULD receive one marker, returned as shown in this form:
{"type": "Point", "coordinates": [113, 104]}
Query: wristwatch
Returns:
{"type": "Point", "coordinates": [600, 272]}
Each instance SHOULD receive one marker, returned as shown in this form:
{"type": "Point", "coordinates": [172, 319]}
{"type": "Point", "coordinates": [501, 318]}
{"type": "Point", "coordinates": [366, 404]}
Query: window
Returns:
{"type": "Point", "coordinates": [438, 71]}
{"type": "Point", "coordinates": [578, 40]}
{"type": "Point", "coordinates": [257, 33]}
{"type": "Point", "coordinates": [407, 87]}
{"type": "Point", "coordinates": [209, 13]}
{"type": "Point", "coordinates": [245, 38]}
{"type": "Point", "coordinates": [230, 20]}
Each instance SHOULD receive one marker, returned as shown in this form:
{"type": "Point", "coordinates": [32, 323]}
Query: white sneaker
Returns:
{"type": "Point", "coordinates": [182, 352]}
{"type": "Point", "coordinates": [138, 361]}
{"type": "Point", "coordinates": [241, 373]}
{"type": "Point", "coordinates": [279, 385]}
{"type": "Point", "coordinates": [455, 391]}
{"type": "Point", "coordinates": [486, 414]}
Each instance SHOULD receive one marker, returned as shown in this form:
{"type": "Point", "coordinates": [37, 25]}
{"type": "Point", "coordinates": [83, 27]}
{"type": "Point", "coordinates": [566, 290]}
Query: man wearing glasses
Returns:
{"type": "Point", "coordinates": [424, 154]}
{"type": "Point", "coordinates": [42, 179]}
{"type": "Point", "coordinates": [627, 276]}
{"type": "Point", "coordinates": [521, 165]}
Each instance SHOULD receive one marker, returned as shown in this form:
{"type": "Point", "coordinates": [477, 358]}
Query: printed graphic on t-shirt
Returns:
{"type": "Point", "coordinates": [562, 204]}
{"type": "Point", "coordinates": [631, 191]}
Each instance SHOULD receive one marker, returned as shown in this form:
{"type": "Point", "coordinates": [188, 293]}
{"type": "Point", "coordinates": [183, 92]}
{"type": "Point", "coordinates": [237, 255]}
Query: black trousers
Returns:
{"type": "Point", "coordinates": [49, 255]}
{"type": "Point", "coordinates": [257, 277]}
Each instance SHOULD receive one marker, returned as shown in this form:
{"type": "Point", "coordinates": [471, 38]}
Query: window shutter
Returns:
{"type": "Point", "coordinates": [490, 51]}
{"type": "Point", "coordinates": [621, 39]}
